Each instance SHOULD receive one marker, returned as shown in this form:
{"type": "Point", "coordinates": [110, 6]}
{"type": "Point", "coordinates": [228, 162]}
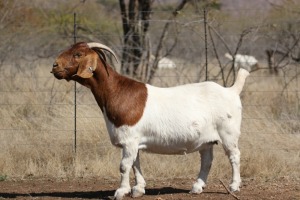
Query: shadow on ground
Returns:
{"type": "Point", "coordinates": [107, 194]}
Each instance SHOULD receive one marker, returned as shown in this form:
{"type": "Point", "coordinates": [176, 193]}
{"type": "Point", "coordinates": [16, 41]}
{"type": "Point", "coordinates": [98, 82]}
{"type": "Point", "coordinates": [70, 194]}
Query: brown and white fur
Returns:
{"type": "Point", "coordinates": [175, 120]}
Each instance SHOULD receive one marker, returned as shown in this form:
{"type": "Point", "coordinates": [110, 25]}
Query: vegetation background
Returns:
{"type": "Point", "coordinates": [37, 111]}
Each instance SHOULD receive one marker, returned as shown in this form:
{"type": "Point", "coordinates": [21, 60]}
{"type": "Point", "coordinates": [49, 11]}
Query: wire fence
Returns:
{"type": "Point", "coordinates": [38, 110]}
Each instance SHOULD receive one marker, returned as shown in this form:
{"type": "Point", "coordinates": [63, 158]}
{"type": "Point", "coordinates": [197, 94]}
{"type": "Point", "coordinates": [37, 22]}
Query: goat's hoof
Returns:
{"type": "Point", "coordinates": [197, 188]}
{"type": "Point", "coordinates": [120, 193]}
{"type": "Point", "coordinates": [137, 191]}
{"type": "Point", "coordinates": [234, 187]}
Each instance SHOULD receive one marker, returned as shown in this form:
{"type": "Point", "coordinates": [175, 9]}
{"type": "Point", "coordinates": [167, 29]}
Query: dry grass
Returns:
{"type": "Point", "coordinates": [36, 133]}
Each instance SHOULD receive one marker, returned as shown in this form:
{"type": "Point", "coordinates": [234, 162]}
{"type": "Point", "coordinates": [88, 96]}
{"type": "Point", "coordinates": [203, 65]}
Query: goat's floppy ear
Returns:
{"type": "Point", "coordinates": [87, 66]}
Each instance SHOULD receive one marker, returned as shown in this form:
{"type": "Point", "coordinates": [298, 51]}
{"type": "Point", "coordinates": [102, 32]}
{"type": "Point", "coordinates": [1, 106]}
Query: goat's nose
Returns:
{"type": "Point", "coordinates": [55, 65]}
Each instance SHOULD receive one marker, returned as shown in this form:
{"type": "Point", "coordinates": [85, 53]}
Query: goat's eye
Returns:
{"type": "Point", "coordinates": [77, 55]}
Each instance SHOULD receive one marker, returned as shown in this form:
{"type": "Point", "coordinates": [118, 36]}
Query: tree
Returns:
{"type": "Point", "coordinates": [285, 36]}
{"type": "Point", "coordinates": [135, 21]}
{"type": "Point", "coordinates": [136, 43]}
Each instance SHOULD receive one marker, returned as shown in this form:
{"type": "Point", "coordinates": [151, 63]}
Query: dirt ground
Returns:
{"type": "Point", "coordinates": [175, 189]}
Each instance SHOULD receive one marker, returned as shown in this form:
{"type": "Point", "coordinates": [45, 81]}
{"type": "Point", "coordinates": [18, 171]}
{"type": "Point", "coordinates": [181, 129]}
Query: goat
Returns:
{"type": "Point", "coordinates": [164, 63]}
{"type": "Point", "coordinates": [243, 61]}
{"type": "Point", "coordinates": [139, 116]}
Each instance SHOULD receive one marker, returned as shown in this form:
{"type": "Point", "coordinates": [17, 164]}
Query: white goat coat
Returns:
{"type": "Point", "coordinates": [166, 63]}
{"type": "Point", "coordinates": [180, 119]}
{"type": "Point", "coordinates": [243, 61]}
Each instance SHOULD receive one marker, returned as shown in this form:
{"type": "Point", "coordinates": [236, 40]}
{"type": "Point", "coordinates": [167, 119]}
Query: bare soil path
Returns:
{"type": "Point", "coordinates": [178, 189]}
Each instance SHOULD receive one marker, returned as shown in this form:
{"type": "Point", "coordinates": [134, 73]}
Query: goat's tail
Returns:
{"type": "Point", "coordinates": [240, 80]}
{"type": "Point", "coordinates": [227, 55]}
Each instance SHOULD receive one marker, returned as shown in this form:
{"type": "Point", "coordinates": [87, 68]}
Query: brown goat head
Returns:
{"type": "Point", "coordinates": [79, 61]}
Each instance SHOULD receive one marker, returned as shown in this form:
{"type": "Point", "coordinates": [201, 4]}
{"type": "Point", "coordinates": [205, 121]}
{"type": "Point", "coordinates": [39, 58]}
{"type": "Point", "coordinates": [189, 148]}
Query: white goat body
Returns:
{"type": "Point", "coordinates": [164, 63]}
{"type": "Point", "coordinates": [180, 119]}
{"type": "Point", "coordinates": [175, 120]}
{"type": "Point", "coordinates": [243, 61]}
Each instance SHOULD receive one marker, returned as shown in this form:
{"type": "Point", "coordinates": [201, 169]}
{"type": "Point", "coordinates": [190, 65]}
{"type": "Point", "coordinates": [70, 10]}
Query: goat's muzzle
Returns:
{"type": "Point", "coordinates": [57, 72]}
{"type": "Point", "coordinates": [55, 65]}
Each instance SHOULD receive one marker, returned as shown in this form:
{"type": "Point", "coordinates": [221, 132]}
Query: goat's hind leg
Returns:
{"type": "Point", "coordinates": [139, 189]}
{"type": "Point", "coordinates": [206, 161]}
{"type": "Point", "coordinates": [233, 153]}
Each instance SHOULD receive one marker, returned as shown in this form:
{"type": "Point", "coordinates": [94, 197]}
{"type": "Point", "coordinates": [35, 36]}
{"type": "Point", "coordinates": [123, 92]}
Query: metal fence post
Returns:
{"type": "Point", "coordinates": [75, 98]}
{"type": "Point", "coordinates": [205, 41]}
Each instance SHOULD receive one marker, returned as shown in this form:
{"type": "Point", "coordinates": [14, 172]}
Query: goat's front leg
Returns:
{"type": "Point", "coordinates": [129, 156]}
{"type": "Point", "coordinates": [139, 189]}
{"type": "Point", "coordinates": [206, 161]}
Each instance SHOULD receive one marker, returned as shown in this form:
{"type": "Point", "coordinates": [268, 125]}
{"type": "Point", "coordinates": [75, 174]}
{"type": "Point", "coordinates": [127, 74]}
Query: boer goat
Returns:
{"type": "Point", "coordinates": [164, 63]}
{"type": "Point", "coordinates": [243, 61]}
{"type": "Point", "coordinates": [176, 120]}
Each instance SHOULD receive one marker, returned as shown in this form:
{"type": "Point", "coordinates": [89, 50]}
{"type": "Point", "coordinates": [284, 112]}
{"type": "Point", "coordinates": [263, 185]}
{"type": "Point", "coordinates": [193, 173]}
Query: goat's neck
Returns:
{"type": "Point", "coordinates": [102, 84]}
{"type": "Point", "coordinates": [122, 99]}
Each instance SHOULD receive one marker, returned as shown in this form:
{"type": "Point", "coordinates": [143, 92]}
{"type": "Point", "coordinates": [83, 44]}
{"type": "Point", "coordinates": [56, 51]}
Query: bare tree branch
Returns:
{"type": "Point", "coordinates": [163, 37]}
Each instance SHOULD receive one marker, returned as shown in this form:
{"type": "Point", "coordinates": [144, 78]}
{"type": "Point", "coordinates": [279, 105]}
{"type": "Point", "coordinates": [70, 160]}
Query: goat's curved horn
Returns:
{"type": "Point", "coordinates": [102, 46]}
